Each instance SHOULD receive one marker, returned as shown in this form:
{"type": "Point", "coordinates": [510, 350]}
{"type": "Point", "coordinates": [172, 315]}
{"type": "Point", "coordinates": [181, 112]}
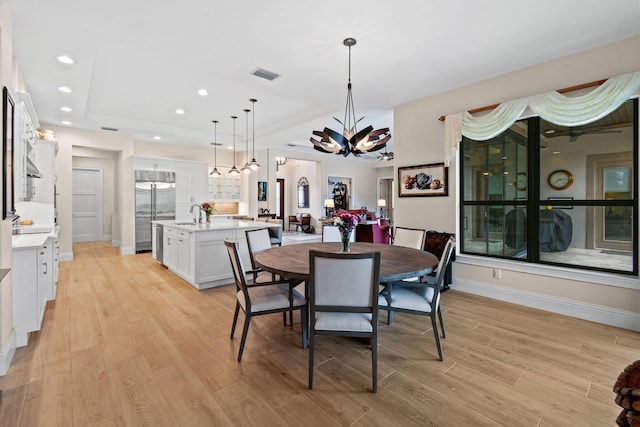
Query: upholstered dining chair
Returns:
{"type": "Point", "coordinates": [419, 297]}
{"type": "Point", "coordinates": [256, 299]}
{"type": "Point", "coordinates": [343, 300]}
{"type": "Point", "coordinates": [331, 233]}
{"type": "Point", "coordinates": [409, 237]}
{"type": "Point", "coordinates": [257, 241]}
{"type": "Point", "coordinates": [275, 231]}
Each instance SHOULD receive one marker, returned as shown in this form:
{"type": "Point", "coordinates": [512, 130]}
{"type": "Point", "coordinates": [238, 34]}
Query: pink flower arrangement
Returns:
{"type": "Point", "coordinates": [346, 222]}
{"type": "Point", "coordinates": [208, 207]}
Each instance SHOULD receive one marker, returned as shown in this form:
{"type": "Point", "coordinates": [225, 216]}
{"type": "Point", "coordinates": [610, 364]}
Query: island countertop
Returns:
{"type": "Point", "coordinates": [215, 225]}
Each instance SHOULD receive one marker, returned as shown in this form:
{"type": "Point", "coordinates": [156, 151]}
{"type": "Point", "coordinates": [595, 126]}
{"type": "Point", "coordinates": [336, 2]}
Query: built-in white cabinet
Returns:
{"type": "Point", "coordinates": [178, 252]}
{"type": "Point", "coordinates": [225, 188]}
{"type": "Point", "coordinates": [32, 287]}
{"type": "Point", "coordinates": [191, 188]}
{"type": "Point", "coordinates": [25, 126]}
{"type": "Point", "coordinates": [148, 163]}
{"type": "Point", "coordinates": [42, 189]}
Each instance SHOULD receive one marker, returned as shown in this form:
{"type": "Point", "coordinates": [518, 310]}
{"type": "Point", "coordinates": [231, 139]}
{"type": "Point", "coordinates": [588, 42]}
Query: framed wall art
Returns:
{"type": "Point", "coordinates": [423, 180]}
{"type": "Point", "coordinates": [262, 191]}
{"type": "Point", "coordinates": [339, 189]}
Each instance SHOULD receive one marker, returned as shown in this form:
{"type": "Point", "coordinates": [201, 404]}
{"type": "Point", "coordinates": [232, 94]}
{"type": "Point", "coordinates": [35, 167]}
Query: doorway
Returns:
{"type": "Point", "coordinates": [280, 198]}
{"type": "Point", "coordinates": [611, 179]}
{"type": "Point", "coordinates": [87, 204]}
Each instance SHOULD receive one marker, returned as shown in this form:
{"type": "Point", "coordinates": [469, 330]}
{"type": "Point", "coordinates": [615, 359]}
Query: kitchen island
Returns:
{"type": "Point", "coordinates": [196, 252]}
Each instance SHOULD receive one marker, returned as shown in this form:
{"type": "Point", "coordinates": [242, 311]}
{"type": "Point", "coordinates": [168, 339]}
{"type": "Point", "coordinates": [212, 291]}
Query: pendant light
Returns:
{"type": "Point", "coordinates": [350, 140]}
{"type": "Point", "coordinates": [246, 168]}
{"type": "Point", "coordinates": [215, 171]}
{"type": "Point", "coordinates": [253, 164]}
{"type": "Point", "coordinates": [234, 170]}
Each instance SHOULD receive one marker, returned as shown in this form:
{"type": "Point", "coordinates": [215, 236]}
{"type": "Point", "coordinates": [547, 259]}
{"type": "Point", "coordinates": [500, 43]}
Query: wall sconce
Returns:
{"type": "Point", "coordinates": [329, 205]}
{"type": "Point", "coordinates": [381, 204]}
{"type": "Point", "coordinates": [280, 161]}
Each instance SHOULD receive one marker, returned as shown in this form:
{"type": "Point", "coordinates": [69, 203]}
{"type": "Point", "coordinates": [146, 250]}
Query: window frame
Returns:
{"type": "Point", "coordinates": [533, 204]}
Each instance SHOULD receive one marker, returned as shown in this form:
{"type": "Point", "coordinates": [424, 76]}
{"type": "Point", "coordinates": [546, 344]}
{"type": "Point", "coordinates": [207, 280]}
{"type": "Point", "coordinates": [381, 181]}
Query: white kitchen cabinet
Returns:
{"type": "Point", "coordinates": [25, 137]}
{"type": "Point", "coordinates": [170, 247]}
{"type": "Point", "coordinates": [178, 252]}
{"type": "Point", "coordinates": [32, 283]}
{"type": "Point", "coordinates": [191, 188]}
{"type": "Point", "coordinates": [148, 163]}
{"type": "Point", "coordinates": [55, 266]}
{"type": "Point", "coordinates": [45, 160]}
{"type": "Point", "coordinates": [225, 188]}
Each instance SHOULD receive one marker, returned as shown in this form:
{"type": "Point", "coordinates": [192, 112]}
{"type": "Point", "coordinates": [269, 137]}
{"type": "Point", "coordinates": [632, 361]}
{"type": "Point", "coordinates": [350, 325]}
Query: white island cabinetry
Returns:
{"type": "Point", "coordinates": [197, 254]}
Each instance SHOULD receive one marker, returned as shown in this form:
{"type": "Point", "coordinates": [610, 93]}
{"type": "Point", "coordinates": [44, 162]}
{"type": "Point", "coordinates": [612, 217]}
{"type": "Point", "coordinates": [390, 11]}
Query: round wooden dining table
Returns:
{"type": "Point", "coordinates": [396, 262]}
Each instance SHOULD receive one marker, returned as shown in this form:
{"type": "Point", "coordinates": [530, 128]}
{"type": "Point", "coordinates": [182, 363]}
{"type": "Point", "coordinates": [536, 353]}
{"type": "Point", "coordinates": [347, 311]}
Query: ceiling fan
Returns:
{"type": "Point", "coordinates": [386, 155]}
{"type": "Point", "coordinates": [574, 134]}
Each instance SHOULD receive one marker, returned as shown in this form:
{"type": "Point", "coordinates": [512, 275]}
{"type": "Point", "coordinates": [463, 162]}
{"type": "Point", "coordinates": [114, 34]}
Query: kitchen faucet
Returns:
{"type": "Point", "coordinates": [199, 212]}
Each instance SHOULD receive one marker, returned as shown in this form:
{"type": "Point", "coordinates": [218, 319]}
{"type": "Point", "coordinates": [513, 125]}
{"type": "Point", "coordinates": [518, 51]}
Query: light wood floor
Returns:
{"type": "Point", "coordinates": [128, 344]}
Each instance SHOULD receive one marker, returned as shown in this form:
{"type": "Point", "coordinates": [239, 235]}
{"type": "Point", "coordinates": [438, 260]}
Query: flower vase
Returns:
{"type": "Point", "coordinates": [346, 236]}
{"type": "Point", "coordinates": [208, 217]}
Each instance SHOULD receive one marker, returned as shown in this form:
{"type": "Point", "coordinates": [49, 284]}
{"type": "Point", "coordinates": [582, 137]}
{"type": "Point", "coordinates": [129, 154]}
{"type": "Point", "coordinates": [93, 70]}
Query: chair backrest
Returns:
{"type": "Point", "coordinates": [331, 233]}
{"type": "Point", "coordinates": [238, 270]}
{"type": "Point", "coordinates": [257, 241]}
{"type": "Point", "coordinates": [344, 282]}
{"type": "Point", "coordinates": [409, 237]}
{"type": "Point", "coordinates": [449, 248]}
{"type": "Point", "coordinates": [305, 219]}
{"type": "Point", "coordinates": [276, 229]}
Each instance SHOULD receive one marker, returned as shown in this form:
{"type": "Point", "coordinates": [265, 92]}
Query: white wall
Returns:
{"type": "Point", "coordinates": [419, 137]}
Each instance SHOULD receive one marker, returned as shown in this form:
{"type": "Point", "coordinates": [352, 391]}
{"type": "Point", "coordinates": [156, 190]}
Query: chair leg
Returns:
{"type": "Point", "coordinates": [303, 315]}
{"type": "Point", "coordinates": [235, 319]}
{"type": "Point", "coordinates": [374, 362]}
{"type": "Point", "coordinates": [311, 349]}
{"type": "Point", "coordinates": [444, 332]}
{"type": "Point", "coordinates": [389, 317]}
{"type": "Point", "coordinates": [245, 331]}
{"type": "Point", "coordinates": [434, 324]}
{"type": "Point", "coordinates": [284, 318]}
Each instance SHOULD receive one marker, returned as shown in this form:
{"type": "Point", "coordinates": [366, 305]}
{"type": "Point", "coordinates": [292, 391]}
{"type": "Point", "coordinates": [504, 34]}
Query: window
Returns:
{"type": "Point", "coordinates": [548, 194]}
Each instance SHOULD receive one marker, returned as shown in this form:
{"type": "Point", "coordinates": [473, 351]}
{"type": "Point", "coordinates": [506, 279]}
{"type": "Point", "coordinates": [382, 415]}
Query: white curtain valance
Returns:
{"type": "Point", "coordinates": [551, 106]}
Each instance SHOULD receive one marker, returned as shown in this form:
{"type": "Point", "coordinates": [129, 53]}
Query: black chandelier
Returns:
{"type": "Point", "coordinates": [350, 140]}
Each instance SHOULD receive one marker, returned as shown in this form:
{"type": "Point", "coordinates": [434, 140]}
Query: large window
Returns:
{"type": "Point", "coordinates": [549, 194]}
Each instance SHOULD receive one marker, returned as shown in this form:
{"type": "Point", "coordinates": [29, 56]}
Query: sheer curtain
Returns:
{"type": "Point", "coordinates": [551, 106]}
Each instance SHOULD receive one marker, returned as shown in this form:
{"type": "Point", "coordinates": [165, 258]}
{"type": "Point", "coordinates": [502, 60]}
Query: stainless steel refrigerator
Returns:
{"type": "Point", "coordinates": [155, 200]}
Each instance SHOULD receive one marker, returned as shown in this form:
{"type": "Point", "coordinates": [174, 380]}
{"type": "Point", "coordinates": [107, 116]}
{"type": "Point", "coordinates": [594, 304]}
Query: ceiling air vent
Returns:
{"type": "Point", "coordinates": [265, 74]}
{"type": "Point", "coordinates": [109, 129]}
{"type": "Point", "coordinates": [217, 144]}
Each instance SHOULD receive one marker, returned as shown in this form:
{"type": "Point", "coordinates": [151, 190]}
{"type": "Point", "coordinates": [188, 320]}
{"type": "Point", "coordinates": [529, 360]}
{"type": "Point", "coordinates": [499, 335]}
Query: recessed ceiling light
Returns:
{"type": "Point", "coordinates": [203, 92]}
{"type": "Point", "coordinates": [65, 59]}
{"type": "Point", "coordinates": [66, 109]}
{"type": "Point", "coordinates": [230, 147]}
{"type": "Point", "coordinates": [66, 122]}
{"type": "Point", "coordinates": [64, 89]}
{"type": "Point", "coordinates": [180, 111]}
{"type": "Point", "coordinates": [157, 138]}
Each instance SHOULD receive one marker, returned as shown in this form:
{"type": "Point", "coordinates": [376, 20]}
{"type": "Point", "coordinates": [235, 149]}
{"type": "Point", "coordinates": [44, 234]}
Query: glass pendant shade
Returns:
{"type": "Point", "coordinates": [234, 170]}
{"type": "Point", "coordinates": [246, 169]}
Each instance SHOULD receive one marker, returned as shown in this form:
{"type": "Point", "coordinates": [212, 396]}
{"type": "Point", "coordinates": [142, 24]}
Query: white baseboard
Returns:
{"type": "Point", "coordinates": [115, 243]}
{"type": "Point", "coordinates": [6, 355]}
{"type": "Point", "coordinates": [66, 256]}
{"type": "Point", "coordinates": [581, 310]}
{"type": "Point", "coordinates": [106, 237]}
{"type": "Point", "coordinates": [127, 251]}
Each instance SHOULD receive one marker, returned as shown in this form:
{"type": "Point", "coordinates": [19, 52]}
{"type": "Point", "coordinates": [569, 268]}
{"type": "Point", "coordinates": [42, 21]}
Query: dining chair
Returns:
{"type": "Point", "coordinates": [419, 297]}
{"type": "Point", "coordinates": [409, 237]}
{"type": "Point", "coordinates": [257, 241]}
{"type": "Point", "coordinates": [275, 231]}
{"type": "Point", "coordinates": [343, 289]}
{"type": "Point", "coordinates": [256, 299]}
{"type": "Point", "coordinates": [331, 233]}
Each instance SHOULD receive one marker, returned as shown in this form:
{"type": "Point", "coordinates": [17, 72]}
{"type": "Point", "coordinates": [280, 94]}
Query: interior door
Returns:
{"type": "Point", "coordinates": [613, 224]}
{"type": "Point", "coordinates": [87, 205]}
{"type": "Point", "coordinates": [280, 198]}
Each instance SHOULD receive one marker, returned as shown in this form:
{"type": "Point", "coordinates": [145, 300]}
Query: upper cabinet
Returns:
{"type": "Point", "coordinates": [225, 188]}
{"type": "Point", "coordinates": [26, 123]}
{"type": "Point", "coordinates": [147, 163]}
{"type": "Point", "coordinates": [191, 187]}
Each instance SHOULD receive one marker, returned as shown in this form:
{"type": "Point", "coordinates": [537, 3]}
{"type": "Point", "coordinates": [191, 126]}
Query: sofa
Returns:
{"type": "Point", "coordinates": [373, 233]}
{"type": "Point", "coordinates": [369, 216]}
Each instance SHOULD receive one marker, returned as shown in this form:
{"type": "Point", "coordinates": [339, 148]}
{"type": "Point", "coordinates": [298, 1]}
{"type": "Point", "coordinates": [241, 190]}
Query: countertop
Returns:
{"type": "Point", "coordinates": [34, 240]}
{"type": "Point", "coordinates": [216, 225]}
